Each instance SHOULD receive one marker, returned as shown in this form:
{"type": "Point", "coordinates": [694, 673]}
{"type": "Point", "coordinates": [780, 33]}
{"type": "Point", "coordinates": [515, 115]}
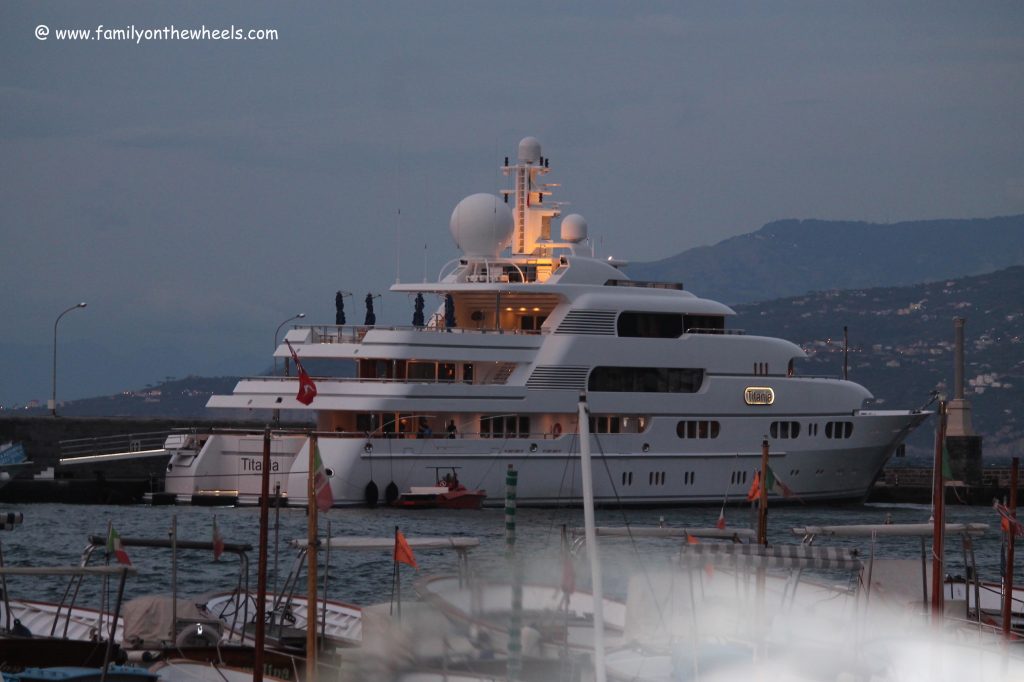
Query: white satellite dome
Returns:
{"type": "Point", "coordinates": [574, 228]}
{"type": "Point", "coordinates": [529, 150]}
{"type": "Point", "coordinates": [481, 225]}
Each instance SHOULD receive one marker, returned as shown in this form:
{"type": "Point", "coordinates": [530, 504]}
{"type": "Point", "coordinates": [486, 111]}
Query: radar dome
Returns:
{"type": "Point", "coordinates": [574, 228]}
{"type": "Point", "coordinates": [529, 150]}
{"type": "Point", "coordinates": [481, 225]}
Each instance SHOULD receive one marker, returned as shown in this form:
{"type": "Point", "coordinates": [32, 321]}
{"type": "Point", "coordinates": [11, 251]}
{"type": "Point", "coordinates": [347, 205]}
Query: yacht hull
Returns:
{"type": "Point", "coordinates": [635, 469]}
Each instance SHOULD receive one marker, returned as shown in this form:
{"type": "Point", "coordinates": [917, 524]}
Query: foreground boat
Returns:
{"type": "Point", "coordinates": [527, 319]}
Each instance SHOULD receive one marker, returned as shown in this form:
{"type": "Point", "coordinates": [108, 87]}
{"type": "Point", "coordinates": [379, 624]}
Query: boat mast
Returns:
{"type": "Point", "coordinates": [532, 218]}
{"type": "Point", "coordinates": [591, 535]}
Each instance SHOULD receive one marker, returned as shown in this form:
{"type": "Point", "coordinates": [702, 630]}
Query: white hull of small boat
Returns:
{"type": "Point", "coordinates": [342, 624]}
{"type": "Point", "coordinates": [50, 620]}
{"type": "Point", "coordinates": [551, 621]}
{"type": "Point", "coordinates": [182, 669]}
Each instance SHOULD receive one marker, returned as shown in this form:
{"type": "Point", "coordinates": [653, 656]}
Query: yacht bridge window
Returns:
{"type": "Point", "coordinates": [646, 379]}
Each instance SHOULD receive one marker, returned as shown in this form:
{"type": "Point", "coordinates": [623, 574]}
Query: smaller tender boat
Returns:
{"type": "Point", "coordinates": [13, 461]}
{"type": "Point", "coordinates": [448, 493]}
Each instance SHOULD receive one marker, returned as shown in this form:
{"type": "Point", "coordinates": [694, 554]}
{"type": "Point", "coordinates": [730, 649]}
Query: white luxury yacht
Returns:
{"type": "Point", "coordinates": [528, 320]}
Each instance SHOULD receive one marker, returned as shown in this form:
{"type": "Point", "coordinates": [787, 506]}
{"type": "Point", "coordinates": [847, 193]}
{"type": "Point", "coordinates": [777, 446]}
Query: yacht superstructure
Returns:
{"type": "Point", "coordinates": [679, 402]}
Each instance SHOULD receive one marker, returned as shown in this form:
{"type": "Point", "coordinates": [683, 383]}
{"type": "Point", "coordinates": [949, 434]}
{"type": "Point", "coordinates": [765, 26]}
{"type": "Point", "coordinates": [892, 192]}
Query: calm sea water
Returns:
{"type": "Point", "coordinates": [56, 534]}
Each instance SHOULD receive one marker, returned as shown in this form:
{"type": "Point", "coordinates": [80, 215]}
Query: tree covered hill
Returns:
{"type": "Point", "coordinates": [901, 345]}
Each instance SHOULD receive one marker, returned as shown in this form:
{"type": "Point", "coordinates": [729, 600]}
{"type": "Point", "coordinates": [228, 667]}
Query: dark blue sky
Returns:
{"type": "Point", "coordinates": [197, 193]}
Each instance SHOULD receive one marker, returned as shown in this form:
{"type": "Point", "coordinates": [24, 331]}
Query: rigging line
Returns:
{"type": "Point", "coordinates": [561, 484]}
{"type": "Point", "coordinates": [629, 531]}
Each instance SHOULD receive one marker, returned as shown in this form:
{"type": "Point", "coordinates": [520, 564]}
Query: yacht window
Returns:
{"type": "Point", "coordinates": [704, 323]}
{"type": "Point", "coordinates": [784, 429]}
{"type": "Point", "coordinates": [446, 371]}
{"type": "Point", "coordinates": [467, 373]}
{"type": "Point", "coordinates": [422, 371]}
{"type": "Point", "coordinates": [646, 379]}
{"type": "Point", "coordinates": [838, 429]}
{"type": "Point", "coordinates": [504, 426]}
{"type": "Point", "coordinates": [698, 429]}
{"type": "Point", "coordinates": [605, 424]}
{"type": "Point", "coordinates": [651, 325]}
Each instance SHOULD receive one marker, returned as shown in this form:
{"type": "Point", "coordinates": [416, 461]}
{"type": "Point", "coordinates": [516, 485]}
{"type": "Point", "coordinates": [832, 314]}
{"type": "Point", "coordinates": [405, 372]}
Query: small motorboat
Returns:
{"type": "Point", "coordinates": [440, 497]}
{"type": "Point", "coordinates": [448, 493]}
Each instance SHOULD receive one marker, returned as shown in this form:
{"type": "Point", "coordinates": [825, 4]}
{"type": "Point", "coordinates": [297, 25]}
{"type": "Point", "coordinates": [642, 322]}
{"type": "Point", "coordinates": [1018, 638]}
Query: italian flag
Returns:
{"type": "Point", "coordinates": [114, 547]}
{"type": "Point", "coordinates": [776, 485]}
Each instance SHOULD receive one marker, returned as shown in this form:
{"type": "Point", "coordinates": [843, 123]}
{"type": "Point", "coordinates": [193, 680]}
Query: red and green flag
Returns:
{"type": "Point", "coordinates": [114, 547]}
{"type": "Point", "coordinates": [775, 484]}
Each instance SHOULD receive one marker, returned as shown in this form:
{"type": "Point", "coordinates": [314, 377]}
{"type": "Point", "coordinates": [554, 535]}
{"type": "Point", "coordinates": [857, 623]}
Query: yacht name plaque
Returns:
{"type": "Point", "coordinates": [758, 395]}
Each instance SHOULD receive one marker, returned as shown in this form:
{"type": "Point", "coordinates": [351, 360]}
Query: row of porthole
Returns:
{"type": "Point", "coordinates": [738, 477]}
{"type": "Point", "coordinates": [791, 429]}
{"type": "Point", "coordinates": [657, 478]}
{"type": "Point", "coordinates": [698, 428]}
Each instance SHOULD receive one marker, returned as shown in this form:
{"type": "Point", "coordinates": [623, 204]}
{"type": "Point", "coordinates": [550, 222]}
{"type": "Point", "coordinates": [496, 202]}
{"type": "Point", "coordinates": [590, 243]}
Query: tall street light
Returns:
{"type": "Point", "coordinates": [53, 398]}
{"type": "Point", "coordinates": [278, 333]}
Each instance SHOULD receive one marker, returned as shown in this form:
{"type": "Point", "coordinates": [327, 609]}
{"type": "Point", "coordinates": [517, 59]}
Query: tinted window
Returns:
{"type": "Point", "coordinates": [651, 325]}
{"type": "Point", "coordinates": [646, 379]}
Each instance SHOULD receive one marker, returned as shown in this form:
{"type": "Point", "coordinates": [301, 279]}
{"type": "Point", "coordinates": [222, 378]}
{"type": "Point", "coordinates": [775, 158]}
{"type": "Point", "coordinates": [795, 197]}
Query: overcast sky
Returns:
{"type": "Point", "coordinates": [198, 193]}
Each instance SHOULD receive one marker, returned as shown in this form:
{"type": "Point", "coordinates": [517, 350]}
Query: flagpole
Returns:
{"type": "Point", "coordinates": [596, 587]}
{"type": "Point", "coordinates": [762, 505]}
{"type": "Point", "coordinates": [311, 581]}
{"type": "Point", "coordinates": [938, 527]}
{"type": "Point", "coordinates": [1010, 537]}
{"type": "Point", "coordinates": [174, 576]}
{"type": "Point", "coordinates": [261, 570]}
{"type": "Point", "coordinates": [398, 579]}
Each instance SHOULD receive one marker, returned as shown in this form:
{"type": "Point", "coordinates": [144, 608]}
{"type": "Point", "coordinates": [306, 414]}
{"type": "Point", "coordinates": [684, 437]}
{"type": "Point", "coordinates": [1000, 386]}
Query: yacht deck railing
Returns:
{"type": "Point", "coordinates": [332, 333]}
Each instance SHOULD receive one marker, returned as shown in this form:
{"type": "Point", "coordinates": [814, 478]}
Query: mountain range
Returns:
{"type": "Point", "coordinates": [793, 257]}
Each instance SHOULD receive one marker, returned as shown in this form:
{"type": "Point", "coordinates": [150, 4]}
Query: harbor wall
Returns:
{"type": "Point", "coordinates": [914, 484]}
{"type": "Point", "coordinates": [121, 482]}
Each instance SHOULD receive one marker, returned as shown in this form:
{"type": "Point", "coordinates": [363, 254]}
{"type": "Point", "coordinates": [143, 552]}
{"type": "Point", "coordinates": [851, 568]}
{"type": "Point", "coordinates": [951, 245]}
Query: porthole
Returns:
{"type": "Point", "coordinates": [533, 447]}
{"type": "Point", "coordinates": [646, 447]}
{"type": "Point", "coordinates": [329, 472]}
{"type": "Point", "coordinates": [368, 448]}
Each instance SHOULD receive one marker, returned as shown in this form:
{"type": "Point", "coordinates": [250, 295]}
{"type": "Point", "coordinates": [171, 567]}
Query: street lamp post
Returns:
{"type": "Point", "coordinates": [277, 333]}
{"type": "Point", "coordinates": [53, 397]}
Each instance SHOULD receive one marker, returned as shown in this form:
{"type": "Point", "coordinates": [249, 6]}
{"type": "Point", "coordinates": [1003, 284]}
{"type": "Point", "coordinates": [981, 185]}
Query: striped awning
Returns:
{"type": "Point", "coordinates": [775, 556]}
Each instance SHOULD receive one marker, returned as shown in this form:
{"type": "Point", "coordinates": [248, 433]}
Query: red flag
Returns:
{"type": "Point", "coordinates": [720, 523]}
{"type": "Point", "coordinates": [307, 389]}
{"type": "Point", "coordinates": [1008, 522]}
{"type": "Point", "coordinates": [403, 552]}
{"type": "Point", "coordinates": [218, 541]}
{"type": "Point", "coordinates": [755, 487]}
{"type": "Point", "coordinates": [114, 547]}
{"type": "Point", "coordinates": [321, 486]}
